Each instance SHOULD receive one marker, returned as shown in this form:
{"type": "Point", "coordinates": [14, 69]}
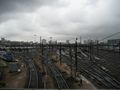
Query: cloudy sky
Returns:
{"type": "Point", "coordinates": [60, 19]}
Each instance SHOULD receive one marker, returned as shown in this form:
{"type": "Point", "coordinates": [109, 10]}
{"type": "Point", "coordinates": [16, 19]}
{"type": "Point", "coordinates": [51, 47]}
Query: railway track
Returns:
{"type": "Point", "coordinates": [40, 78]}
{"type": "Point", "coordinates": [102, 79]}
{"type": "Point", "coordinates": [107, 78]}
{"type": "Point", "coordinates": [103, 76]}
{"type": "Point", "coordinates": [33, 75]}
{"type": "Point", "coordinates": [94, 71]}
{"type": "Point", "coordinates": [61, 82]}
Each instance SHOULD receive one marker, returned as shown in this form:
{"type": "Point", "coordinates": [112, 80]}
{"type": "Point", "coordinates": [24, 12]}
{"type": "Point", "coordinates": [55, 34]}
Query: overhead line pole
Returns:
{"type": "Point", "coordinates": [76, 57]}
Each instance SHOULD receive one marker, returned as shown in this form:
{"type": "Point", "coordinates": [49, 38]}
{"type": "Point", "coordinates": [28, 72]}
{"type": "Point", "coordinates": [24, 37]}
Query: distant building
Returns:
{"type": "Point", "coordinates": [114, 41]}
{"type": "Point", "coordinates": [67, 42]}
{"type": "Point", "coordinates": [52, 42]}
{"type": "Point", "coordinates": [2, 39]}
{"type": "Point", "coordinates": [44, 41]}
{"type": "Point", "coordinates": [56, 42]}
{"type": "Point", "coordinates": [88, 41]}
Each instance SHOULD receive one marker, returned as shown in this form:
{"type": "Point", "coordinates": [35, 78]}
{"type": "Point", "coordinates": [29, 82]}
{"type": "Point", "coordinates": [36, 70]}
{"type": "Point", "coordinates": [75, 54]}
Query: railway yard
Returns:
{"type": "Point", "coordinates": [59, 44]}
{"type": "Point", "coordinates": [65, 67]}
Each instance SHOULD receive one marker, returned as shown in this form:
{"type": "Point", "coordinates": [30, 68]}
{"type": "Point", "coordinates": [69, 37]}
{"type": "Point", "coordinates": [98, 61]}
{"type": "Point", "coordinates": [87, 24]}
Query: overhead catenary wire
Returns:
{"type": "Point", "coordinates": [110, 36]}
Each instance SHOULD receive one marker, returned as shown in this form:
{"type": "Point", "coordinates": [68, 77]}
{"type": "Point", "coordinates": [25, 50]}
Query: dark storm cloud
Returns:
{"type": "Point", "coordinates": [91, 19]}
{"type": "Point", "coordinates": [9, 7]}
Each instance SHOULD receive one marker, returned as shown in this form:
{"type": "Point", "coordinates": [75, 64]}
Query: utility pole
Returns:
{"type": "Point", "coordinates": [60, 54]}
{"type": "Point", "coordinates": [70, 54]}
{"type": "Point", "coordinates": [40, 39]}
{"type": "Point", "coordinates": [42, 59]}
{"type": "Point", "coordinates": [119, 47]}
{"type": "Point", "coordinates": [76, 57]}
{"type": "Point", "coordinates": [90, 51]}
{"type": "Point", "coordinates": [42, 48]}
{"type": "Point", "coordinates": [40, 42]}
{"type": "Point", "coordinates": [80, 39]}
{"type": "Point", "coordinates": [51, 44]}
{"type": "Point", "coordinates": [97, 48]}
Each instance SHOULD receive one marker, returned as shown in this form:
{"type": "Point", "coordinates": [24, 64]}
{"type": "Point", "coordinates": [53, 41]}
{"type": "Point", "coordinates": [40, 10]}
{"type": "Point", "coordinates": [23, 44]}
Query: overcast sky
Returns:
{"type": "Point", "coordinates": [60, 19]}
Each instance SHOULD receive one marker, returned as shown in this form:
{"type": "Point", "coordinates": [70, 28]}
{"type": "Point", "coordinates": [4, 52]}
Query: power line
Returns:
{"type": "Point", "coordinates": [109, 36]}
